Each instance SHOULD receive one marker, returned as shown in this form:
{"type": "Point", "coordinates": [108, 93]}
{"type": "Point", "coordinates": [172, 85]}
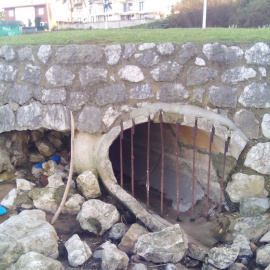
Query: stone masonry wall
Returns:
{"type": "Point", "coordinates": [102, 84]}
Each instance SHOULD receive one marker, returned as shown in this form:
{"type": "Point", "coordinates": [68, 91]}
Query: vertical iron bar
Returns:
{"type": "Point", "coordinates": [177, 167]}
{"type": "Point", "coordinates": [162, 163]}
{"type": "Point", "coordinates": [209, 167]}
{"type": "Point", "coordinates": [148, 164]}
{"type": "Point", "coordinates": [132, 157]}
{"type": "Point", "coordinates": [193, 169]}
{"type": "Point", "coordinates": [121, 153]}
{"type": "Point", "coordinates": [226, 148]}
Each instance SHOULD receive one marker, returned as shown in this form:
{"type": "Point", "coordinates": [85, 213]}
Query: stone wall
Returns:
{"type": "Point", "coordinates": [225, 85]}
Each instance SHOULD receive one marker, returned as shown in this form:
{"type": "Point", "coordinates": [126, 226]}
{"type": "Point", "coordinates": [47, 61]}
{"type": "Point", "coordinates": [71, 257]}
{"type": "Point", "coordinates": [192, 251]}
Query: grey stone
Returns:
{"type": "Point", "coordinates": [146, 46]}
{"type": "Point", "coordinates": [148, 59]}
{"type": "Point", "coordinates": [24, 185]}
{"type": "Point", "coordinates": [8, 72]}
{"type": "Point", "coordinates": [111, 94]}
{"type": "Point", "coordinates": [246, 186]}
{"type": "Point", "coordinates": [199, 62]}
{"type": "Point", "coordinates": [238, 266]}
{"type": "Point", "coordinates": [131, 73]}
{"type": "Point", "coordinates": [266, 238]}
{"type": "Point", "coordinates": [78, 251]}
{"type": "Point", "coordinates": [90, 119]}
{"type": "Point", "coordinates": [36, 158]}
{"type": "Point", "coordinates": [20, 93]}
{"type": "Point", "coordinates": [32, 74]}
{"type": "Point", "coordinates": [76, 100]}
{"type": "Point", "coordinates": [110, 116]}
{"type": "Point", "coordinates": [129, 50]}
{"type": "Point", "coordinates": [256, 95]}
{"type": "Point", "coordinates": [88, 185]}
{"type": "Point", "coordinates": [202, 75]}
{"type": "Point", "coordinates": [254, 206]}
{"type": "Point", "coordinates": [168, 245]}
{"type": "Point", "coordinates": [45, 148]}
{"type": "Point", "coordinates": [262, 71]}
{"type": "Point", "coordinates": [3, 94]}
{"type": "Point", "coordinates": [166, 72]}
{"type": "Point", "coordinates": [173, 92]}
{"type": "Point", "coordinates": [74, 204]}
{"type": "Point", "coordinates": [92, 76]}
{"type": "Point", "coordinates": [44, 53]}
{"type": "Point", "coordinates": [238, 74]}
{"type": "Point", "coordinates": [171, 266]}
{"type": "Point", "coordinates": [143, 91]}
{"type": "Point", "coordinates": [247, 122]}
{"type": "Point", "coordinates": [266, 125]}
{"type": "Point", "coordinates": [29, 116]}
{"type": "Point", "coordinates": [223, 257]}
{"type": "Point", "coordinates": [198, 94]}
{"type": "Point", "coordinates": [34, 229]}
{"type": "Point", "coordinates": [97, 216]}
{"type": "Point", "coordinates": [117, 231]}
{"type": "Point", "coordinates": [187, 52]}
{"type": "Point", "coordinates": [25, 54]}
{"type": "Point", "coordinates": [9, 199]}
{"type": "Point", "coordinates": [258, 158]}
{"type": "Point", "coordinates": [218, 53]}
{"type": "Point", "coordinates": [113, 258]}
{"type": "Point", "coordinates": [75, 54]}
{"type": "Point", "coordinates": [259, 54]}
{"type": "Point", "coordinates": [54, 180]}
{"type": "Point", "coordinates": [7, 118]}
{"type": "Point", "coordinates": [262, 255]}
{"type": "Point", "coordinates": [129, 240]}
{"type": "Point", "coordinates": [195, 252]}
{"type": "Point", "coordinates": [59, 76]}
{"type": "Point", "coordinates": [113, 53]}
{"type": "Point", "coordinates": [139, 266]}
{"type": "Point", "coordinates": [50, 96]}
{"type": "Point", "coordinates": [243, 243]}
{"type": "Point", "coordinates": [7, 53]}
{"type": "Point", "coordinates": [5, 162]}
{"type": "Point", "coordinates": [165, 48]}
{"type": "Point", "coordinates": [252, 227]}
{"type": "Point", "coordinates": [57, 117]}
{"type": "Point", "coordinates": [223, 96]}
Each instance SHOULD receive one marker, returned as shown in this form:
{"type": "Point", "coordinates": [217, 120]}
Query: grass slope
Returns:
{"type": "Point", "coordinates": [124, 35]}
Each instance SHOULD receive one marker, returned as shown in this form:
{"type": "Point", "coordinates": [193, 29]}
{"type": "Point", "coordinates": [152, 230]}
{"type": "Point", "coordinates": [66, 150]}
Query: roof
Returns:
{"type": "Point", "coordinates": [22, 3]}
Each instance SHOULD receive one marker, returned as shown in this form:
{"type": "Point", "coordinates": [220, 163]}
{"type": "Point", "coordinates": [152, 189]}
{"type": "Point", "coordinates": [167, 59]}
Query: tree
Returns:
{"type": "Point", "coordinates": [71, 4]}
{"type": "Point", "coordinates": [2, 15]}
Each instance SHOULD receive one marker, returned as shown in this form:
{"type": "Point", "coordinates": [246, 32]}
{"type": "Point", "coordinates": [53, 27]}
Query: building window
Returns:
{"type": "Point", "coordinates": [41, 11]}
{"type": "Point", "coordinates": [130, 7]}
{"type": "Point", "coordinates": [140, 6]}
{"type": "Point", "coordinates": [11, 13]}
{"type": "Point", "coordinates": [125, 7]}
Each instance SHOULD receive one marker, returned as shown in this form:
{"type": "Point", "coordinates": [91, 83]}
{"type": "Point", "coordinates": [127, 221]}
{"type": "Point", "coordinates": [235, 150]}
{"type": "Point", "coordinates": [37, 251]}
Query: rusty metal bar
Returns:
{"type": "Point", "coordinates": [121, 153]}
{"type": "Point", "coordinates": [162, 163]}
{"type": "Point", "coordinates": [226, 148]}
{"type": "Point", "coordinates": [148, 164]}
{"type": "Point", "coordinates": [209, 167]}
{"type": "Point", "coordinates": [132, 157]}
{"type": "Point", "coordinates": [177, 166]}
{"type": "Point", "coordinates": [193, 169]}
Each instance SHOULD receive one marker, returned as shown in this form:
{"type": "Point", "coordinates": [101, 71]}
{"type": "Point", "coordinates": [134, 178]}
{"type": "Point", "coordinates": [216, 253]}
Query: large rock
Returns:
{"type": "Point", "coordinates": [20, 93]}
{"type": "Point", "coordinates": [246, 186]}
{"type": "Point", "coordinates": [148, 58]}
{"type": "Point", "coordinates": [91, 124]}
{"type": "Point", "coordinates": [33, 230]}
{"type": "Point", "coordinates": [45, 148]}
{"type": "Point", "coordinates": [59, 76]}
{"type": "Point", "coordinates": [254, 206]}
{"type": "Point", "coordinates": [243, 243]}
{"type": "Point", "coordinates": [131, 73]}
{"type": "Point", "coordinates": [117, 231]}
{"type": "Point", "coordinates": [7, 53]}
{"type": "Point", "coordinates": [76, 100]}
{"type": "Point", "coordinates": [74, 204]}
{"type": "Point", "coordinates": [36, 261]}
{"type": "Point", "coordinates": [258, 158]}
{"type": "Point", "coordinates": [218, 53]}
{"type": "Point", "coordinates": [165, 48]}
{"type": "Point", "coordinates": [247, 122]}
{"type": "Point", "coordinates": [44, 53]}
{"type": "Point", "coordinates": [129, 50]}
{"type": "Point", "coordinates": [266, 125]}
{"type": "Point", "coordinates": [32, 74]}
{"type": "Point", "coordinates": [238, 74]}
{"type": "Point", "coordinates": [256, 95]}
{"type": "Point", "coordinates": [50, 96]}
{"type": "Point", "coordinates": [146, 46]}
{"type": "Point", "coordinates": [3, 94]}
{"type": "Point", "coordinates": [168, 245]}
{"type": "Point", "coordinates": [92, 76]}
{"type": "Point", "coordinates": [223, 96]}
{"type": "Point", "coordinates": [113, 258]}
{"type": "Point", "coordinates": [252, 227]}
{"type": "Point", "coordinates": [78, 251]}
{"type": "Point", "coordinates": [187, 52]}
{"type": "Point", "coordinates": [113, 53]}
{"type": "Point", "coordinates": [143, 91]}
{"type": "Point", "coordinates": [97, 216]}
{"type": "Point", "coordinates": [9, 199]}
{"type": "Point", "coordinates": [266, 238]}
{"type": "Point", "coordinates": [8, 72]}
{"type": "Point", "coordinates": [5, 162]}
{"type": "Point", "coordinates": [200, 75]}
{"type": "Point", "coordinates": [7, 118]}
{"type": "Point", "coordinates": [262, 256]}
{"type": "Point", "coordinates": [26, 54]}
{"type": "Point", "coordinates": [129, 240]}
{"type": "Point", "coordinates": [88, 185]}
{"type": "Point", "coordinates": [258, 54]}
{"type": "Point", "coordinates": [24, 185]}
{"type": "Point", "coordinates": [166, 72]}
{"type": "Point", "coordinates": [223, 257]}
{"type": "Point", "coordinates": [173, 92]}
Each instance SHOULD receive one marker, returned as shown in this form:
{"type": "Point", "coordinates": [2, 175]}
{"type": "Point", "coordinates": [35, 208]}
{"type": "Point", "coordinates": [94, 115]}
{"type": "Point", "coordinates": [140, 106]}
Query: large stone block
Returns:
{"type": "Point", "coordinates": [187, 52]}
{"type": "Point", "coordinates": [200, 75]}
{"type": "Point", "coordinates": [165, 48]}
{"type": "Point", "coordinates": [20, 93]}
{"type": "Point", "coordinates": [90, 119]}
{"type": "Point", "coordinates": [50, 96]}
{"type": "Point", "coordinates": [238, 74]}
{"type": "Point", "coordinates": [8, 73]}
{"type": "Point", "coordinates": [7, 53]}
{"type": "Point", "coordinates": [113, 53]}
{"type": "Point", "coordinates": [173, 92]}
{"type": "Point", "coordinates": [26, 54]}
{"type": "Point", "coordinates": [131, 73]}
{"type": "Point", "coordinates": [32, 74]}
{"type": "Point", "coordinates": [59, 76]}
{"type": "Point", "coordinates": [129, 50]}
{"type": "Point", "coordinates": [223, 96]}
{"type": "Point", "coordinates": [143, 91]}
{"type": "Point", "coordinates": [76, 100]}
{"type": "Point", "coordinates": [148, 58]}
{"type": "Point", "coordinates": [44, 53]}
{"type": "Point", "coordinates": [92, 76]}
{"type": "Point", "coordinates": [258, 54]}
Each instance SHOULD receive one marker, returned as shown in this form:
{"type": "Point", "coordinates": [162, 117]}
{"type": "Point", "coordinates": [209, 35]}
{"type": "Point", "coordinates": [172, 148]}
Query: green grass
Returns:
{"type": "Point", "coordinates": [175, 35]}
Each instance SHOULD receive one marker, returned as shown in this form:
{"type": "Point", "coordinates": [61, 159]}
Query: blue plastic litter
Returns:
{"type": "Point", "coordinates": [56, 158]}
{"type": "Point", "coordinates": [3, 210]}
{"type": "Point", "coordinates": [39, 165]}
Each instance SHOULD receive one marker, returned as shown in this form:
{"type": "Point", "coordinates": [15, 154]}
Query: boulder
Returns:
{"type": "Point", "coordinates": [200, 75]}
{"type": "Point", "coordinates": [117, 231]}
{"type": "Point", "coordinates": [91, 124]}
{"type": "Point", "coordinates": [113, 53]}
{"type": "Point", "coordinates": [131, 73]}
{"type": "Point", "coordinates": [7, 53]}
{"type": "Point", "coordinates": [258, 54]}
{"type": "Point", "coordinates": [74, 204]}
{"type": "Point", "coordinates": [25, 54]}
{"type": "Point", "coordinates": [238, 74]}
{"type": "Point", "coordinates": [143, 91]}
{"type": "Point", "coordinates": [20, 93]}
{"type": "Point", "coordinates": [92, 76]}
{"type": "Point", "coordinates": [33, 261]}
{"type": "Point", "coordinates": [148, 58]}
{"type": "Point", "coordinates": [262, 255]}
{"type": "Point", "coordinates": [33, 230]}
{"type": "Point", "coordinates": [45, 148]}
{"type": "Point", "coordinates": [168, 245]}
{"type": "Point", "coordinates": [88, 185]}
{"type": "Point", "coordinates": [97, 216]}
{"type": "Point", "coordinates": [8, 73]}
{"type": "Point", "coordinates": [173, 92]}
{"type": "Point", "coordinates": [78, 251]}
{"type": "Point", "coordinates": [266, 238]}
{"type": "Point", "coordinates": [32, 74]}
{"type": "Point", "coordinates": [254, 206]}
{"type": "Point", "coordinates": [9, 199]}
{"type": "Point", "coordinates": [165, 48]}
{"type": "Point", "coordinates": [187, 52]}
{"type": "Point", "coordinates": [113, 258]}
{"type": "Point", "coordinates": [44, 53]}
{"type": "Point", "coordinates": [23, 184]}
{"type": "Point", "coordinates": [59, 76]}
{"type": "Point", "coordinates": [243, 243]}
